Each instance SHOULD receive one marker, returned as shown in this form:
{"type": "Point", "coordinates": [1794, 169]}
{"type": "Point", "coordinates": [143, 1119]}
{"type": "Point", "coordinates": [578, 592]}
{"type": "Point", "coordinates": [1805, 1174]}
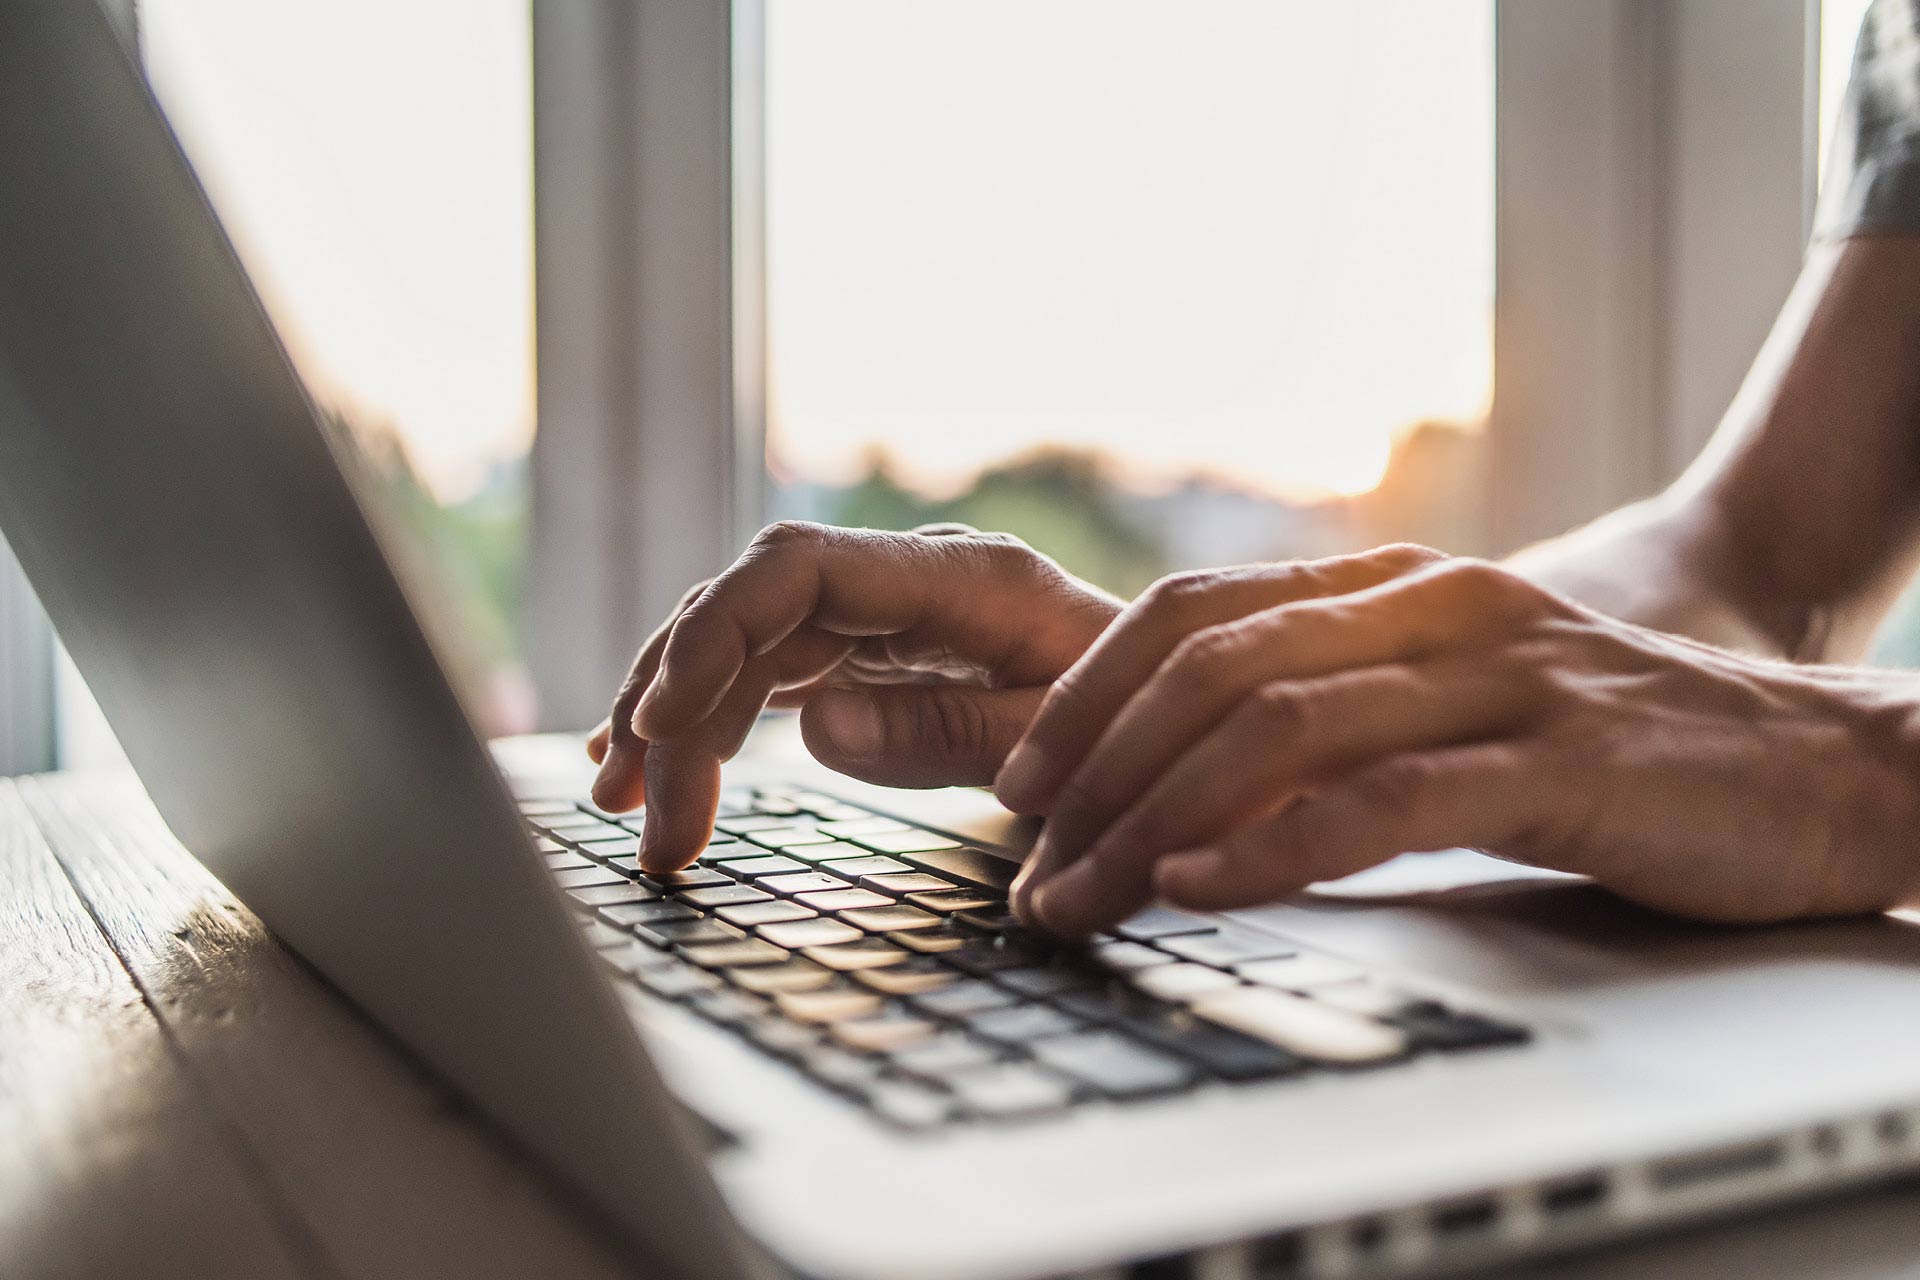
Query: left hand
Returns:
{"type": "Point", "coordinates": [1236, 736]}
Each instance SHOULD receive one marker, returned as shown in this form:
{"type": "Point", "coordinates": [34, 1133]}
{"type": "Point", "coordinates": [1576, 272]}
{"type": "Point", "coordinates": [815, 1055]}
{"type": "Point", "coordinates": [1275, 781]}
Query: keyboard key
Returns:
{"type": "Point", "coordinates": [986, 955]}
{"type": "Point", "coordinates": [840, 829]}
{"type": "Point", "coordinates": [690, 878]}
{"type": "Point", "coordinates": [537, 807]}
{"type": "Point", "coordinates": [603, 935]}
{"type": "Point", "coordinates": [992, 921]}
{"type": "Point", "coordinates": [816, 932]}
{"type": "Point", "coordinates": [776, 806]}
{"type": "Point", "coordinates": [636, 956]}
{"type": "Point", "coordinates": [916, 976]}
{"type": "Point", "coordinates": [727, 1007]}
{"type": "Point", "coordinates": [939, 939]}
{"type": "Point", "coordinates": [1300, 973]}
{"type": "Point", "coordinates": [964, 998]}
{"type": "Point", "coordinates": [868, 953]}
{"type": "Point", "coordinates": [759, 913]}
{"type": "Point", "coordinates": [676, 982]}
{"type": "Point", "coordinates": [904, 841]}
{"type": "Point", "coordinates": [629, 914]}
{"type": "Point", "coordinates": [968, 865]}
{"type": "Point", "coordinates": [1022, 1024]}
{"type": "Point", "coordinates": [778, 1036]}
{"type": "Point", "coordinates": [1181, 981]}
{"type": "Point", "coordinates": [742, 825]}
{"type": "Point", "coordinates": [842, 900]}
{"type": "Point", "coordinates": [1113, 1002]}
{"type": "Point", "coordinates": [1124, 957]}
{"type": "Point", "coordinates": [837, 1069]}
{"type": "Point", "coordinates": [871, 865]}
{"type": "Point", "coordinates": [730, 955]}
{"type": "Point", "coordinates": [608, 847]}
{"type": "Point", "coordinates": [1370, 999]}
{"type": "Point", "coordinates": [566, 862]}
{"type": "Point", "coordinates": [561, 824]}
{"type": "Point", "coordinates": [947, 901]}
{"type": "Point", "coordinates": [878, 1034]}
{"type": "Point", "coordinates": [673, 933]}
{"type": "Point", "coordinates": [766, 865]}
{"type": "Point", "coordinates": [608, 895]}
{"type": "Point", "coordinates": [1163, 922]}
{"type": "Point", "coordinates": [1317, 1032]}
{"type": "Point", "coordinates": [1224, 1053]}
{"type": "Point", "coordinates": [906, 882]}
{"type": "Point", "coordinates": [1448, 1031]}
{"type": "Point", "coordinates": [943, 1054]}
{"type": "Point", "coordinates": [811, 882]}
{"type": "Point", "coordinates": [909, 1106]}
{"type": "Point", "coordinates": [891, 918]}
{"type": "Point", "coordinates": [814, 854]}
{"type": "Point", "coordinates": [788, 837]}
{"type": "Point", "coordinates": [794, 975]}
{"type": "Point", "coordinates": [587, 876]}
{"type": "Point", "coordinates": [723, 895]}
{"type": "Point", "coordinates": [829, 1005]}
{"type": "Point", "coordinates": [1114, 1066]}
{"type": "Point", "coordinates": [1227, 946]}
{"type": "Point", "coordinates": [547, 844]}
{"type": "Point", "coordinates": [1041, 983]}
{"type": "Point", "coordinates": [1009, 1091]}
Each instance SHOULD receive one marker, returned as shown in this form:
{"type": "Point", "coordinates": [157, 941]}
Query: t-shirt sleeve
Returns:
{"type": "Point", "coordinates": [1872, 181]}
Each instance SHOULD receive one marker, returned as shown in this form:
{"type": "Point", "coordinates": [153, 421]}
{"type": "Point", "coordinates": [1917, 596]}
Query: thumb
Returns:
{"type": "Point", "coordinates": [917, 735]}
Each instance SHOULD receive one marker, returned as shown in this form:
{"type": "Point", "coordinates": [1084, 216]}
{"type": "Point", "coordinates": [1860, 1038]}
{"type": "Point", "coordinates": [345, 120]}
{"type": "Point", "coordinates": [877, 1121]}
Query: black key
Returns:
{"type": "Point", "coordinates": [989, 956]}
{"type": "Point", "coordinates": [691, 878]}
{"type": "Point", "coordinates": [1114, 1065]}
{"type": "Point", "coordinates": [771, 864]}
{"type": "Point", "coordinates": [1052, 980]}
{"type": "Point", "coordinates": [1111, 1002]}
{"type": "Point", "coordinates": [842, 899]}
{"type": "Point", "coordinates": [938, 940]}
{"type": "Point", "coordinates": [751, 914]}
{"type": "Point", "coordinates": [788, 837]}
{"type": "Point", "coordinates": [1446, 1030]}
{"type": "Point", "coordinates": [547, 844]}
{"type": "Point", "coordinates": [1224, 1053]}
{"type": "Point", "coordinates": [615, 845]}
{"type": "Point", "coordinates": [988, 921]}
{"type": "Point", "coordinates": [964, 999]}
{"type": "Point", "coordinates": [676, 982]}
{"type": "Point", "coordinates": [579, 824]}
{"type": "Point", "coordinates": [947, 901]}
{"type": "Point", "coordinates": [609, 895]}
{"type": "Point", "coordinates": [793, 975]}
{"type": "Point", "coordinates": [587, 876]}
{"type": "Point", "coordinates": [816, 932]}
{"type": "Point", "coordinates": [904, 842]}
{"type": "Point", "coordinates": [872, 865]}
{"type": "Point", "coordinates": [731, 955]}
{"type": "Point", "coordinates": [971, 866]}
{"type": "Point", "coordinates": [868, 953]}
{"type": "Point", "coordinates": [727, 1007]}
{"type": "Point", "coordinates": [1226, 946]}
{"type": "Point", "coordinates": [892, 918]}
{"type": "Point", "coordinates": [723, 895]}
{"type": "Point", "coordinates": [916, 975]}
{"type": "Point", "coordinates": [776, 806]}
{"type": "Point", "coordinates": [810, 882]}
{"type": "Point", "coordinates": [1010, 1090]}
{"type": "Point", "coordinates": [902, 882]}
{"type": "Point", "coordinates": [672, 933]}
{"type": "Point", "coordinates": [1022, 1024]}
{"type": "Point", "coordinates": [818, 853]}
{"type": "Point", "coordinates": [565, 862]}
{"type": "Point", "coordinates": [603, 935]}
{"type": "Point", "coordinates": [1163, 922]}
{"type": "Point", "coordinates": [630, 914]}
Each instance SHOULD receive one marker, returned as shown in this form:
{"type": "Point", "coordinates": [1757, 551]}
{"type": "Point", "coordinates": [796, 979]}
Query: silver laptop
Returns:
{"type": "Point", "coordinates": [823, 1050]}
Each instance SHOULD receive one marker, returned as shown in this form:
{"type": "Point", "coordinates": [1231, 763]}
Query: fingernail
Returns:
{"type": "Point", "coordinates": [1018, 783]}
{"type": "Point", "coordinates": [851, 722]}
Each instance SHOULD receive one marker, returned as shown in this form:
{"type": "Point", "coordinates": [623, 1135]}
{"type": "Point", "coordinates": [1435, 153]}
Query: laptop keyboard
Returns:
{"type": "Point", "coordinates": [880, 959]}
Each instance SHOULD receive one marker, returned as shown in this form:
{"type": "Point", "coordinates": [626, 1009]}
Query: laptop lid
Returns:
{"type": "Point", "coordinates": [166, 484]}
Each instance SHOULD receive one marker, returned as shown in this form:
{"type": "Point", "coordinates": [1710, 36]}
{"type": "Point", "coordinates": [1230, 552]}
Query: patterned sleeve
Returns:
{"type": "Point", "coordinates": [1873, 163]}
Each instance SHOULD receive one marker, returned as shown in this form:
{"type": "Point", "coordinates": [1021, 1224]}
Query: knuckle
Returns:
{"type": "Point", "coordinates": [1489, 586]}
{"type": "Point", "coordinates": [1400, 784]}
{"type": "Point", "coordinates": [1176, 595]}
{"type": "Point", "coordinates": [1007, 557]}
{"type": "Point", "coordinates": [1204, 658]}
{"type": "Point", "coordinates": [1281, 706]}
{"type": "Point", "coordinates": [1401, 557]}
{"type": "Point", "coordinates": [788, 533]}
{"type": "Point", "coordinates": [954, 721]}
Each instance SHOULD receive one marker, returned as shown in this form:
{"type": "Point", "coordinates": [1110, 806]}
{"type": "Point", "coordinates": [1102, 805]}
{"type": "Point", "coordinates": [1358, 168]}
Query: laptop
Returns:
{"type": "Point", "coordinates": [824, 1050]}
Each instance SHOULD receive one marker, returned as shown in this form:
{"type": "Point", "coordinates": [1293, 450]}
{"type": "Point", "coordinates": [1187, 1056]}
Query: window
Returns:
{"type": "Point", "coordinates": [372, 161]}
{"type": "Point", "coordinates": [1152, 286]}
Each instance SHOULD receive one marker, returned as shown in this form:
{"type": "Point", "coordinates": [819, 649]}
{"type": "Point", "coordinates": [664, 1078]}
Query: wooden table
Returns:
{"type": "Point", "coordinates": [181, 1096]}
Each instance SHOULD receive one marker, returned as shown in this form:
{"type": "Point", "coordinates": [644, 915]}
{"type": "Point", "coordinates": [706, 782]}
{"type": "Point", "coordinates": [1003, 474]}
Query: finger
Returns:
{"type": "Point", "coordinates": [681, 772]}
{"type": "Point", "coordinates": [597, 741]}
{"type": "Point", "coordinates": [621, 786]}
{"type": "Point", "coordinates": [1284, 738]}
{"type": "Point", "coordinates": [1480, 796]}
{"type": "Point", "coordinates": [917, 735]}
{"type": "Point", "coordinates": [979, 594]}
{"type": "Point", "coordinates": [1087, 697]}
{"type": "Point", "coordinates": [1444, 606]}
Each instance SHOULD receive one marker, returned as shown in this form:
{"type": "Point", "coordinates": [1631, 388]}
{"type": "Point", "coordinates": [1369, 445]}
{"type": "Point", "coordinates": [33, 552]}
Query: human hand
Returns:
{"type": "Point", "coordinates": [916, 659]}
{"type": "Point", "coordinates": [1238, 735]}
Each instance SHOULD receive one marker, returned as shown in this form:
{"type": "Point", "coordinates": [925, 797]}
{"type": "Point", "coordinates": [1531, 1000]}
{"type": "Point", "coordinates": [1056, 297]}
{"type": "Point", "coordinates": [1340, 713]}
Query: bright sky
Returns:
{"type": "Point", "coordinates": [1253, 237]}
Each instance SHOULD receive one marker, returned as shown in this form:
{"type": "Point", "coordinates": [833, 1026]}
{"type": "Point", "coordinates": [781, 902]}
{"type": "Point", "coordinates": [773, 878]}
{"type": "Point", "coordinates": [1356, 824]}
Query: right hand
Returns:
{"type": "Point", "coordinates": [916, 659]}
